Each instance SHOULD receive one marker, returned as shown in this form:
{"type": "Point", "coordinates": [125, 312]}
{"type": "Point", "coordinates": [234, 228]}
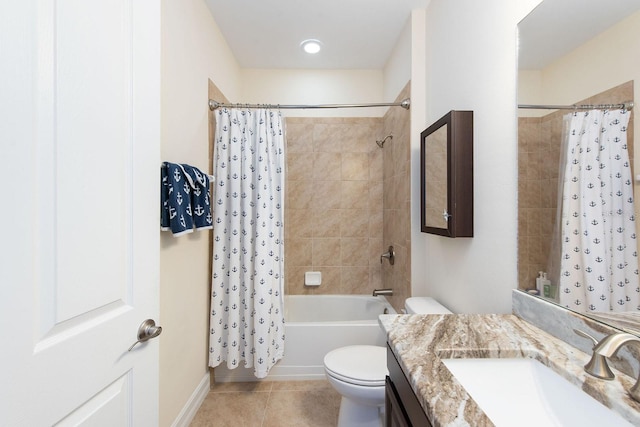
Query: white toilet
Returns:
{"type": "Point", "coordinates": [358, 373]}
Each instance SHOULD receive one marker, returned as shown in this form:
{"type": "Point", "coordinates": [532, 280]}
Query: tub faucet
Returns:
{"type": "Point", "coordinates": [609, 346]}
{"type": "Point", "coordinates": [387, 292]}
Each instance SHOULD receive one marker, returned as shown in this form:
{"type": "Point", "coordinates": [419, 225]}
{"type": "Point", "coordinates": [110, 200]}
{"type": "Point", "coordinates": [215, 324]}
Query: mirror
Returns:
{"type": "Point", "coordinates": [446, 170]}
{"type": "Point", "coordinates": [556, 40]}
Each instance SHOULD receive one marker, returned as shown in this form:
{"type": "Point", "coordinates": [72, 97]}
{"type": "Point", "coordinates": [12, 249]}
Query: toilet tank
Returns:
{"type": "Point", "coordinates": [424, 305]}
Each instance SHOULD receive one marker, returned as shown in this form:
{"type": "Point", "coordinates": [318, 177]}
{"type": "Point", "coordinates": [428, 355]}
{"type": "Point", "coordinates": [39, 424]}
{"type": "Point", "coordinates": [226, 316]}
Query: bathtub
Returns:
{"type": "Point", "coordinates": [315, 325]}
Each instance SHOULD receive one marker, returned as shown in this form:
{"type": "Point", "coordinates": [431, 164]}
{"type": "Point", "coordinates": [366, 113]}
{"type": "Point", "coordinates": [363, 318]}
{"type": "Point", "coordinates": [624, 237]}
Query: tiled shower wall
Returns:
{"type": "Point", "coordinates": [539, 143]}
{"type": "Point", "coordinates": [347, 201]}
{"type": "Point", "coordinates": [397, 201]}
{"type": "Point", "coordinates": [333, 207]}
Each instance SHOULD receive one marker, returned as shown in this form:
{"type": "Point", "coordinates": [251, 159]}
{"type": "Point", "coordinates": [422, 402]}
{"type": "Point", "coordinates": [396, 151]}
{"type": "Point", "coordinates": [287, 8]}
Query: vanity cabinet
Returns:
{"type": "Point", "coordinates": [402, 408]}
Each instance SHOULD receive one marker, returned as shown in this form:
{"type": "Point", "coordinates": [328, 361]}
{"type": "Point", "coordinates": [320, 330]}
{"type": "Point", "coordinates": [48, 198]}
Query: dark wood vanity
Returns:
{"type": "Point", "coordinates": [402, 408]}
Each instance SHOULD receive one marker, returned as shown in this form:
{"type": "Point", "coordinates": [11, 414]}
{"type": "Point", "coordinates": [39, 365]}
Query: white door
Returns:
{"type": "Point", "coordinates": [79, 209]}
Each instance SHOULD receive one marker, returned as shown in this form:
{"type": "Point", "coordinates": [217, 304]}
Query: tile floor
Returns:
{"type": "Point", "coordinates": [270, 404]}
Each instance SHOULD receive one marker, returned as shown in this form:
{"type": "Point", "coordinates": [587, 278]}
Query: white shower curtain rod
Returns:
{"type": "Point", "coordinates": [627, 105]}
{"type": "Point", "coordinates": [405, 103]}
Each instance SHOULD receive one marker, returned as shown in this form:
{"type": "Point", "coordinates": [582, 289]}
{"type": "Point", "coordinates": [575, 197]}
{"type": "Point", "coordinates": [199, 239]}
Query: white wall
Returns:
{"type": "Point", "coordinates": [397, 70]}
{"type": "Point", "coordinates": [419, 61]}
{"type": "Point", "coordinates": [471, 64]}
{"type": "Point", "coordinates": [193, 51]}
{"type": "Point", "coordinates": [283, 86]}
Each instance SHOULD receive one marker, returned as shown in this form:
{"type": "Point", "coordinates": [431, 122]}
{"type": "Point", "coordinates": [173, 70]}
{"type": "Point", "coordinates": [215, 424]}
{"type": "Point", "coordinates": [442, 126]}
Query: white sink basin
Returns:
{"type": "Point", "coordinates": [524, 392]}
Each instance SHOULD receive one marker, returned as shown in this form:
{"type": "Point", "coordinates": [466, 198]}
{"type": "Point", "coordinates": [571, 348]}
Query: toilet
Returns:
{"type": "Point", "coordinates": [358, 373]}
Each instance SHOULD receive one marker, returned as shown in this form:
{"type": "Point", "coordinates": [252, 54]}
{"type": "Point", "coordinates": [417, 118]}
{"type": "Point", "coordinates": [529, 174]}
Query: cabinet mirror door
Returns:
{"type": "Point", "coordinates": [447, 176]}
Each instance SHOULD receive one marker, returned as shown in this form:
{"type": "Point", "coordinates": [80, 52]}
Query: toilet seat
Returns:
{"type": "Point", "coordinates": [363, 365]}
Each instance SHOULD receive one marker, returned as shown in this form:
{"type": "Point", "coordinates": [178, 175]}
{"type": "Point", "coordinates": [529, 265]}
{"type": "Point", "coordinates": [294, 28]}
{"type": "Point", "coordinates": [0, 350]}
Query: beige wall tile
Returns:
{"type": "Point", "coordinates": [397, 203]}
{"type": "Point", "coordinates": [336, 203]}
{"type": "Point", "coordinates": [299, 137]}
{"type": "Point", "coordinates": [298, 252]}
{"type": "Point", "coordinates": [326, 194]}
{"type": "Point", "coordinates": [327, 222]}
{"type": "Point", "coordinates": [354, 195]}
{"type": "Point", "coordinates": [354, 252]}
{"type": "Point", "coordinates": [355, 280]}
{"type": "Point", "coordinates": [326, 252]}
{"type": "Point", "coordinates": [300, 194]}
{"type": "Point", "coordinates": [298, 166]}
{"type": "Point", "coordinates": [355, 166]}
{"type": "Point", "coordinates": [354, 223]}
{"type": "Point", "coordinates": [294, 279]}
{"type": "Point", "coordinates": [298, 223]}
{"type": "Point", "coordinates": [327, 166]}
{"type": "Point", "coordinates": [331, 281]}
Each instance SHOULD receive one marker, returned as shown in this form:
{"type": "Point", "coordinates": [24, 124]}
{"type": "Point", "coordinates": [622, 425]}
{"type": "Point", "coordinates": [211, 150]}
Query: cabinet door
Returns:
{"type": "Point", "coordinates": [405, 407]}
{"type": "Point", "coordinates": [394, 412]}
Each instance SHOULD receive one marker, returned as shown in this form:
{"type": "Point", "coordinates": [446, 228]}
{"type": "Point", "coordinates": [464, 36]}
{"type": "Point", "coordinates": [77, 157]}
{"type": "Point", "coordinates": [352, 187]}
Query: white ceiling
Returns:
{"type": "Point", "coordinates": [356, 34]}
{"type": "Point", "coordinates": [360, 34]}
{"type": "Point", "coordinates": [556, 27]}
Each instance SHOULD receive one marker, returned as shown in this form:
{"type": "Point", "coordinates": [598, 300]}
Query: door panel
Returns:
{"type": "Point", "coordinates": [80, 251]}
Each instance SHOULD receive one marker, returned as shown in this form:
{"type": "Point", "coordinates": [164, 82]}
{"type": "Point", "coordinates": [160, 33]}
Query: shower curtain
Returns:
{"type": "Point", "coordinates": [599, 265]}
{"type": "Point", "coordinates": [247, 319]}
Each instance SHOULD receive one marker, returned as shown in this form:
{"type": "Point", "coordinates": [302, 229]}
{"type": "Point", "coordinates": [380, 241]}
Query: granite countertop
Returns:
{"type": "Point", "coordinates": [421, 341]}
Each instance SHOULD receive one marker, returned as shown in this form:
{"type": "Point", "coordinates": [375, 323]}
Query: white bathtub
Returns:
{"type": "Point", "coordinates": [315, 325]}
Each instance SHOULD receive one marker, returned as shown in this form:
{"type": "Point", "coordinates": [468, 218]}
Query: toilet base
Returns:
{"type": "Point", "coordinates": [354, 414]}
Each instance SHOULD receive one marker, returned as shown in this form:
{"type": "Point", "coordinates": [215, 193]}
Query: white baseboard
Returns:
{"type": "Point", "coordinates": [277, 373]}
{"type": "Point", "coordinates": [190, 409]}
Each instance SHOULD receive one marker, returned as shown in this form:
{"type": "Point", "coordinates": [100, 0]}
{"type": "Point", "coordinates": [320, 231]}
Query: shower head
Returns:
{"type": "Point", "coordinates": [381, 143]}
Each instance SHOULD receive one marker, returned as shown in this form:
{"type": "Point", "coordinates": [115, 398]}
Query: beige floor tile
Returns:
{"type": "Point", "coordinates": [245, 386]}
{"type": "Point", "coordinates": [311, 385]}
{"type": "Point", "coordinates": [302, 409]}
{"type": "Point", "coordinates": [232, 409]}
{"type": "Point", "coordinates": [270, 404]}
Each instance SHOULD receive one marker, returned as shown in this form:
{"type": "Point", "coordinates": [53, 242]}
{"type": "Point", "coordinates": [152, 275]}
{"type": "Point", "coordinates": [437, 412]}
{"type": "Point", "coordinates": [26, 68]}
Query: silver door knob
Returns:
{"type": "Point", "coordinates": [146, 331]}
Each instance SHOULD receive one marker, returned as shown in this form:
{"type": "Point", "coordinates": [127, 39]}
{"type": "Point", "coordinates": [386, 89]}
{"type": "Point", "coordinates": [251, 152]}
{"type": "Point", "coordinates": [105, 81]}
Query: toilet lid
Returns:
{"type": "Point", "coordinates": [358, 364]}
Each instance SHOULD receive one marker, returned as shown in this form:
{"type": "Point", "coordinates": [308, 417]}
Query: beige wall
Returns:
{"type": "Point", "coordinates": [315, 87]}
{"type": "Point", "coordinates": [193, 51]}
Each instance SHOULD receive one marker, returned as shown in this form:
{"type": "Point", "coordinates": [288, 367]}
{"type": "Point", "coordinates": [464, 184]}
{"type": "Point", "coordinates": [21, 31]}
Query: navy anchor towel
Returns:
{"type": "Point", "coordinates": [184, 199]}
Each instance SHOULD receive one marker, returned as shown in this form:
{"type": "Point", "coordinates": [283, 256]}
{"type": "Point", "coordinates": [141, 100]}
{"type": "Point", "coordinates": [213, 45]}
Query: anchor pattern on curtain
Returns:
{"type": "Point", "coordinates": [599, 265]}
{"type": "Point", "coordinates": [247, 319]}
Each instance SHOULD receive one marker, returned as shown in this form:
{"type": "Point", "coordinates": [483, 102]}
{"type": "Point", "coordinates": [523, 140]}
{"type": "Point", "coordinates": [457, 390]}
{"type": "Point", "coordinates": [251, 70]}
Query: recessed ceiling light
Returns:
{"type": "Point", "coordinates": [311, 46]}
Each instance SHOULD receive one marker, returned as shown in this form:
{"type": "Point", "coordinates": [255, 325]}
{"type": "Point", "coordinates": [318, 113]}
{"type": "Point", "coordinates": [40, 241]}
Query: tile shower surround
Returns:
{"type": "Point", "coordinates": [539, 142]}
{"type": "Point", "coordinates": [347, 200]}
{"type": "Point", "coordinates": [333, 207]}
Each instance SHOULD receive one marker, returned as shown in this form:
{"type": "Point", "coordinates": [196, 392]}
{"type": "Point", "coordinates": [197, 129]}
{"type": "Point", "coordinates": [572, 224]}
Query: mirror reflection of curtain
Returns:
{"type": "Point", "coordinates": [598, 264]}
{"type": "Point", "coordinates": [247, 317]}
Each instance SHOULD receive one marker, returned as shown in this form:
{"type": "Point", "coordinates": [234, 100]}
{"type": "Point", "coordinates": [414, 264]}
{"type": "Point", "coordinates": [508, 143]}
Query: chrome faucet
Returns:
{"type": "Point", "coordinates": [390, 255]}
{"type": "Point", "coordinates": [609, 346]}
{"type": "Point", "coordinates": [597, 366]}
{"type": "Point", "coordinates": [387, 292]}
